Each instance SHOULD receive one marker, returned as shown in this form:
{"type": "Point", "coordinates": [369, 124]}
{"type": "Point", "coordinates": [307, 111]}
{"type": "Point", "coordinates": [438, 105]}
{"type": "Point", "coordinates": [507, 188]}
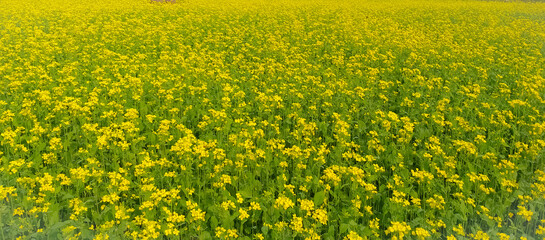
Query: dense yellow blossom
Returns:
{"type": "Point", "coordinates": [283, 202]}
{"type": "Point", "coordinates": [285, 119]}
{"type": "Point", "coordinates": [398, 229]}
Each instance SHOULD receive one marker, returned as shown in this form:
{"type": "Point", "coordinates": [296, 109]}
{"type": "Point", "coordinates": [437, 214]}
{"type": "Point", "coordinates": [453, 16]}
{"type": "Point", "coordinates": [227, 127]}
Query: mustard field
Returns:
{"type": "Point", "coordinates": [272, 119]}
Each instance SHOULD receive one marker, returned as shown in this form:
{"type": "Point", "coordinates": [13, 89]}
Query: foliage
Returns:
{"type": "Point", "coordinates": [272, 120]}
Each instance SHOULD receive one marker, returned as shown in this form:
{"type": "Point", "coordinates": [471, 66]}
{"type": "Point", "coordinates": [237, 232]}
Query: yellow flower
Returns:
{"type": "Point", "coordinates": [77, 208]}
{"type": "Point", "coordinates": [540, 230]}
{"type": "Point", "coordinates": [131, 113]}
{"type": "Point", "coordinates": [232, 233]}
{"type": "Point", "coordinates": [459, 230]}
{"type": "Point", "coordinates": [240, 199]}
{"type": "Point", "coordinates": [283, 202]}
{"type": "Point", "coordinates": [18, 212]}
{"type": "Point", "coordinates": [49, 158]}
{"type": "Point", "coordinates": [503, 236]}
{"type": "Point", "coordinates": [306, 205]}
{"type": "Point", "coordinates": [255, 206]}
{"type": "Point", "coordinates": [401, 228]}
{"type": "Point", "coordinates": [436, 202]}
{"type": "Point", "coordinates": [353, 236]}
{"type": "Point", "coordinates": [150, 118]}
{"type": "Point", "coordinates": [197, 214]}
{"type": "Point", "coordinates": [228, 205]}
{"type": "Point", "coordinates": [526, 214]}
{"type": "Point", "coordinates": [171, 230]}
{"type": "Point", "coordinates": [220, 232]}
{"type": "Point", "coordinates": [243, 214]}
{"type": "Point", "coordinates": [481, 236]}
{"type": "Point", "coordinates": [320, 215]}
{"type": "Point", "coordinates": [55, 143]}
{"type": "Point", "coordinates": [421, 233]}
{"type": "Point", "coordinates": [297, 224]}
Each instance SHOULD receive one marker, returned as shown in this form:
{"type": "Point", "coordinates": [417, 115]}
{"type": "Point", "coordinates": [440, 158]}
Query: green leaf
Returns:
{"type": "Point", "coordinates": [319, 198]}
{"type": "Point", "coordinates": [53, 216]}
{"type": "Point", "coordinates": [205, 235]}
{"type": "Point", "coordinates": [213, 222]}
{"type": "Point", "coordinates": [344, 228]}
